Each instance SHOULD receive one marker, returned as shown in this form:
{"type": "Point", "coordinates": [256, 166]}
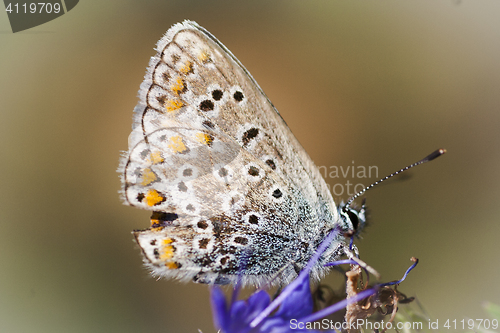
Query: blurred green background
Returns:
{"type": "Point", "coordinates": [379, 83]}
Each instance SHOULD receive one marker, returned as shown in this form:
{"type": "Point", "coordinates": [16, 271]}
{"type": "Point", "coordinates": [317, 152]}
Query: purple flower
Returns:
{"type": "Point", "coordinates": [237, 317]}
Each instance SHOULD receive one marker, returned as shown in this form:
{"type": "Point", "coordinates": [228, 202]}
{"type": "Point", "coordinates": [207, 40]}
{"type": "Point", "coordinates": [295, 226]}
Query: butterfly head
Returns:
{"type": "Point", "coordinates": [353, 219]}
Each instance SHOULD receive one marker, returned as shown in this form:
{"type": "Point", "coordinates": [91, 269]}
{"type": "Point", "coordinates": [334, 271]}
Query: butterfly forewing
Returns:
{"type": "Point", "coordinates": [210, 152]}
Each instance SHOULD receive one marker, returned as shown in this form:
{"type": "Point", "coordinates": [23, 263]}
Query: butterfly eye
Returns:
{"type": "Point", "coordinates": [354, 219]}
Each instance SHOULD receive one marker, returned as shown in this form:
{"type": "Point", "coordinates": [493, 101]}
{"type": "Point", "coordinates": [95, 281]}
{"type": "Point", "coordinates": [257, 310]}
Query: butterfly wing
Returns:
{"type": "Point", "coordinates": [208, 147]}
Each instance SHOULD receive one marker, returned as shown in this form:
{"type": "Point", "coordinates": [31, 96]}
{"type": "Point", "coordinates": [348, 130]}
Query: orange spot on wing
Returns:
{"type": "Point", "coordinates": [171, 265]}
{"type": "Point", "coordinates": [148, 177]}
{"type": "Point", "coordinates": [173, 104]}
{"type": "Point", "coordinates": [178, 87]}
{"type": "Point", "coordinates": [206, 139]}
{"type": "Point", "coordinates": [203, 56]}
{"type": "Point", "coordinates": [167, 241]}
{"type": "Point", "coordinates": [155, 158]}
{"type": "Point", "coordinates": [187, 67]}
{"type": "Point", "coordinates": [177, 145]}
{"type": "Point", "coordinates": [153, 198]}
{"type": "Point", "coordinates": [168, 250]}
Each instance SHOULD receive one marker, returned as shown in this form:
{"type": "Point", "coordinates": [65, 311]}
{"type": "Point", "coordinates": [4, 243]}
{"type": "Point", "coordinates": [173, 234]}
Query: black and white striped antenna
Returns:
{"type": "Point", "coordinates": [428, 158]}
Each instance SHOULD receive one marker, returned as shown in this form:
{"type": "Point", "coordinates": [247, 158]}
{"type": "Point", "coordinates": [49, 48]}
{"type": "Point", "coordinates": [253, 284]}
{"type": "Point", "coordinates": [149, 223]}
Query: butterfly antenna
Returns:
{"type": "Point", "coordinates": [428, 158]}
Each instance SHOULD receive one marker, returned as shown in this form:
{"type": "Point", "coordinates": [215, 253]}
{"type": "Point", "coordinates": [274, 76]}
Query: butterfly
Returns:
{"type": "Point", "coordinates": [234, 196]}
